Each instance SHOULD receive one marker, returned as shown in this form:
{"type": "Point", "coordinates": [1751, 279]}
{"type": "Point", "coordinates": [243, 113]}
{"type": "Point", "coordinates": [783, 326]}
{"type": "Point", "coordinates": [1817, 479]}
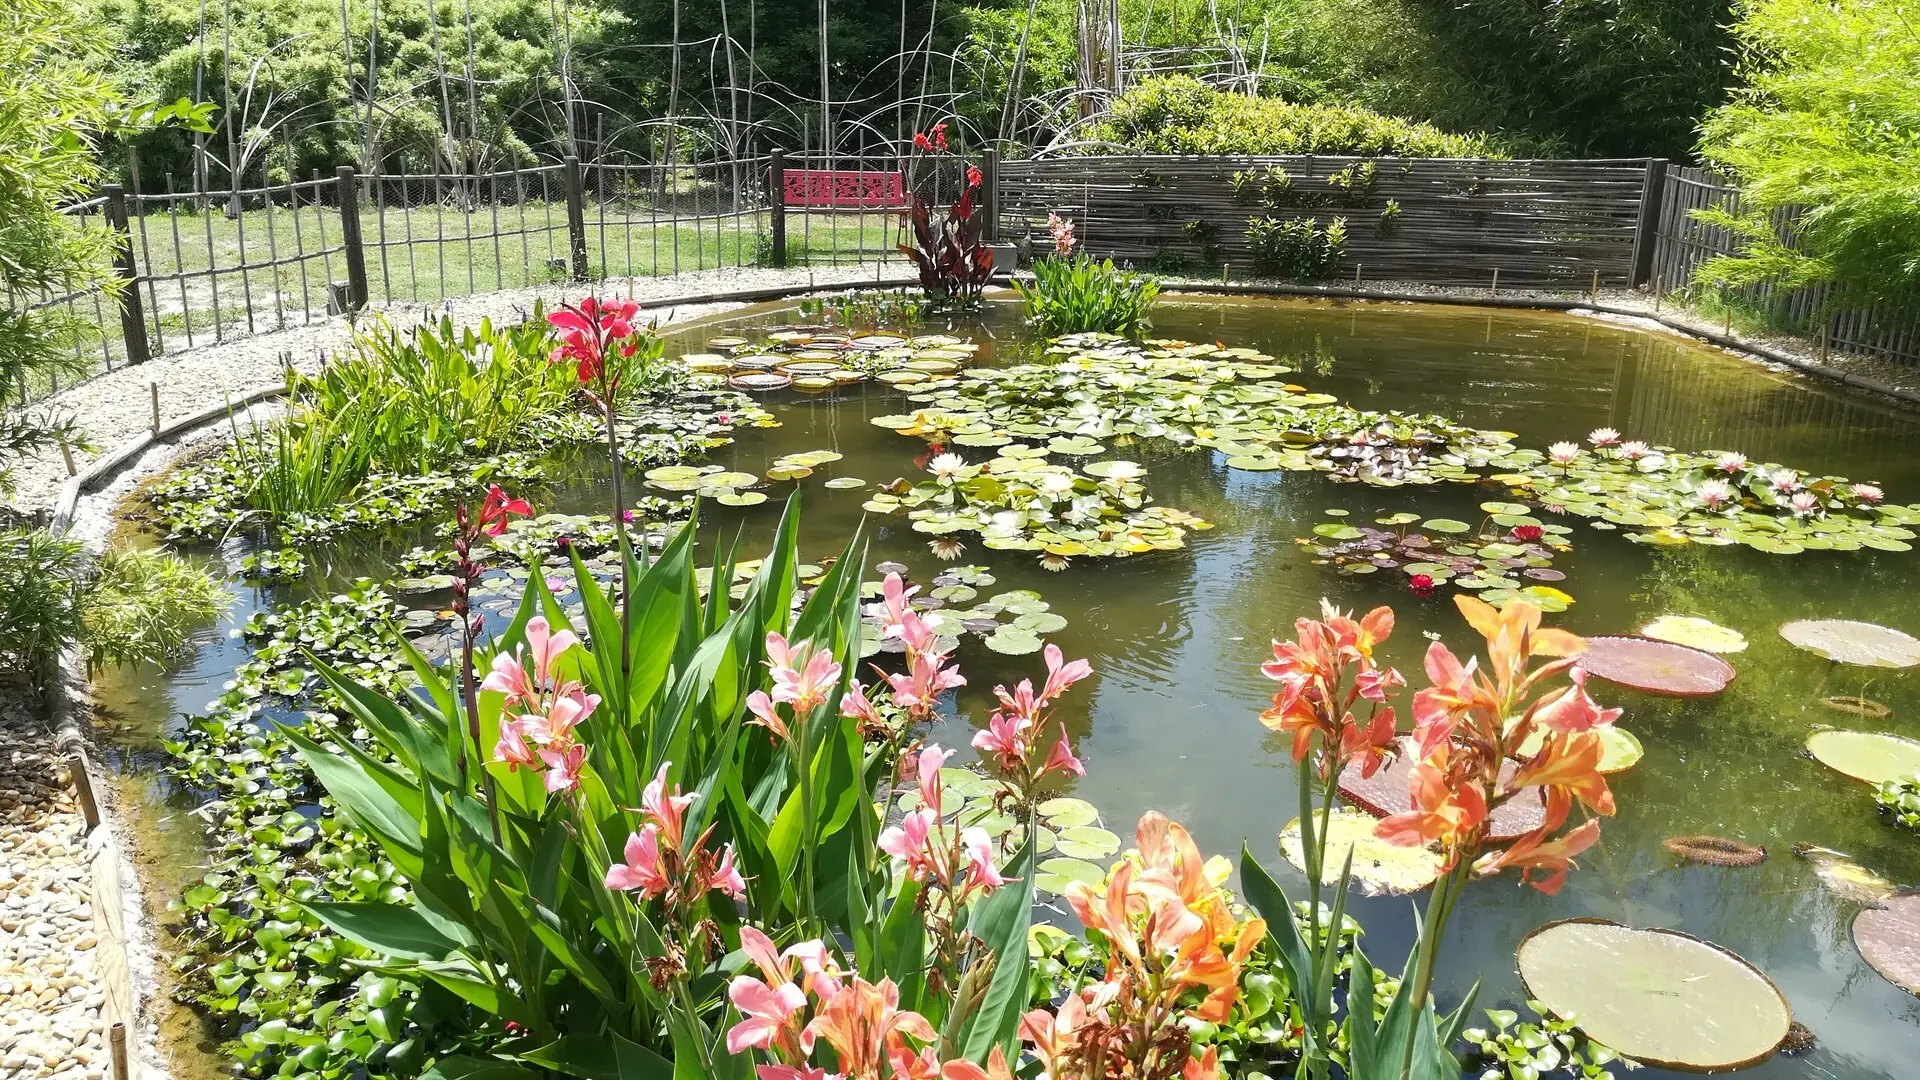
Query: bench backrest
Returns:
{"type": "Point", "coordinates": [844, 188]}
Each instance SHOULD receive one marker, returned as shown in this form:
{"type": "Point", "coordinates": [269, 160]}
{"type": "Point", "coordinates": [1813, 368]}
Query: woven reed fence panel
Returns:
{"type": "Point", "coordinates": [1539, 223]}
{"type": "Point", "coordinates": [1681, 244]}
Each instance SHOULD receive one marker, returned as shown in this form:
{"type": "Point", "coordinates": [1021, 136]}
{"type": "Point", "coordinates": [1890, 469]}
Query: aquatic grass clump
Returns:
{"type": "Point", "coordinates": [1077, 294]}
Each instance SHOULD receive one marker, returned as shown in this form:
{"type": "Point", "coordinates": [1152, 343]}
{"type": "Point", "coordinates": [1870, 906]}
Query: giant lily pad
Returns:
{"type": "Point", "coordinates": [1695, 633]}
{"type": "Point", "coordinates": [1379, 867]}
{"type": "Point", "coordinates": [1660, 997]}
{"type": "Point", "coordinates": [1888, 938]}
{"type": "Point", "coordinates": [1847, 642]}
{"type": "Point", "coordinates": [1385, 793]}
{"type": "Point", "coordinates": [1865, 755]}
{"type": "Point", "coordinates": [1619, 749]}
{"type": "Point", "coordinates": [1658, 667]}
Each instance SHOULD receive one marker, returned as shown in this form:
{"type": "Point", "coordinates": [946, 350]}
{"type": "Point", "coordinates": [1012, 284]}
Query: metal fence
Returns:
{"type": "Point", "coordinates": [1684, 243]}
{"type": "Point", "coordinates": [200, 267]}
{"type": "Point", "coordinates": [205, 266]}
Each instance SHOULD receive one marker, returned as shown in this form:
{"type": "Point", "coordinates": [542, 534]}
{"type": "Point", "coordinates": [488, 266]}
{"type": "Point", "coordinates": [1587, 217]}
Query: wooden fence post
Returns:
{"type": "Point", "coordinates": [777, 205]}
{"type": "Point", "coordinates": [347, 196]}
{"type": "Point", "coordinates": [990, 195]}
{"type": "Point", "coordinates": [576, 218]}
{"type": "Point", "coordinates": [1646, 234]}
{"type": "Point", "coordinates": [133, 322]}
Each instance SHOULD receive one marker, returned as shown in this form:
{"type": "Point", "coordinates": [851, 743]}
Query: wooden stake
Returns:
{"type": "Point", "coordinates": [1595, 293]}
{"type": "Point", "coordinates": [1356, 275]}
{"type": "Point", "coordinates": [83, 789]}
{"type": "Point", "coordinates": [153, 396]}
{"type": "Point", "coordinates": [1225, 268]}
{"type": "Point", "coordinates": [1496, 279]}
{"type": "Point", "coordinates": [117, 1038]}
{"type": "Point", "coordinates": [66, 453]}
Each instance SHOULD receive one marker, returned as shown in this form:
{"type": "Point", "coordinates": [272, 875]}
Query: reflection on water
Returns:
{"type": "Point", "coordinates": [1176, 638]}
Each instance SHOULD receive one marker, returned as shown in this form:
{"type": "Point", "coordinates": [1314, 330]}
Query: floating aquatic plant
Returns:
{"type": "Point", "coordinates": [1018, 500]}
{"type": "Point", "coordinates": [817, 358]}
{"type": "Point", "coordinates": [1660, 997]}
{"type": "Point", "coordinates": [1695, 633]}
{"type": "Point", "coordinates": [1899, 800]}
{"type": "Point", "coordinates": [1503, 559]}
{"type": "Point", "coordinates": [1888, 937]}
{"type": "Point", "coordinates": [1845, 641]}
{"type": "Point", "coordinates": [1657, 667]}
{"type": "Point", "coordinates": [1871, 757]}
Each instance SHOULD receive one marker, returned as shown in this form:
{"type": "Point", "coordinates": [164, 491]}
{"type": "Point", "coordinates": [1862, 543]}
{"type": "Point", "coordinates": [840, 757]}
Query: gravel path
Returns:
{"type": "Point", "coordinates": [118, 406]}
{"type": "Point", "coordinates": [50, 996]}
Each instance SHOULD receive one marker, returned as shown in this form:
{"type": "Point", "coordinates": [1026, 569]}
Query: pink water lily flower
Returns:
{"type": "Point", "coordinates": [643, 870]}
{"type": "Point", "coordinates": [1804, 504]}
{"type": "Point", "coordinates": [1731, 462]}
{"type": "Point", "coordinates": [1563, 453]}
{"type": "Point", "coordinates": [1714, 494]}
{"type": "Point", "coordinates": [1868, 493]}
{"type": "Point", "coordinates": [1603, 437]}
{"type": "Point", "coordinates": [1634, 450]}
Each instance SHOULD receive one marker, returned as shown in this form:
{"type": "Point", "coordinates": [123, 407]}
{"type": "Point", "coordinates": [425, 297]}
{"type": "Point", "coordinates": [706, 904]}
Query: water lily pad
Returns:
{"type": "Point", "coordinates": [1013, 641]}
{"type": "Point", "coordinates": [1385, 793]}
{"type": "Point", "coordinates": [1066, 813]}
{"type": "Point", "coordinates": [1445, 525]}
{"type": "Point", "coordinates": [1056, 874]}
{"type": "Point", "coordinates": [1864, 755]}
{"type": "Point", "coordinates": [1660, 997]}
{"type": "Point", "coordinates": [1620, 750]}
{"type": "Point", "coordinates": [842, 483]}
{"type": "Point", "coordinates": [1657, 667]}
{"type": "Point", "coordinates": [1380, 868]}
{"type": "Point", "coordinates": [1845, 641]}
{"type": "Point", "coordinates": [761, 380]}
{"type": "Point", "coordinates": [1695, 633]}
{"type": "Point", "coordinates": [1087, 842]}
{"type": "Point", "coordinates": [740, 498]}
{"type": "Point", "coordinates": [1888, 938]}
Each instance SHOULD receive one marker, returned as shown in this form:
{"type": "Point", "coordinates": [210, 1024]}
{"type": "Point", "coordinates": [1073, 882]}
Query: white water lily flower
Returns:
{"type": "Point", "coordinates": [947, 466]}
{"type": "Point", "coordinates": [1563, 453]}
{"type": "Point", "coordinates": [1784, 481]}
{"type": "Point", "coordinates": [1605, 436]}
{"type": "Point", "coordinates": [1804, 504]}
{"type": "Point", "coordinates": [1123, 472]}
{"type": "Point", "coordinates": [1056, 485]}
{"type": "Point", "coordinates": [1006, 523]}
{"type": "Point", "coordinates": [1084, 509]}
{"type": "Point", "coordinates": [1635, 450]}
{"type": "Point", "coordinates": [946, 548]}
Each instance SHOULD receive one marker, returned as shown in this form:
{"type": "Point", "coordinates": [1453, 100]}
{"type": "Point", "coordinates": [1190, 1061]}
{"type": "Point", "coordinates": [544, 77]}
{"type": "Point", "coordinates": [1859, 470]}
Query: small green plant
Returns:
{"type": "Point", "coordinates": [868, 308]}
{"type": "Point", "coordinates": [1297, 248]}
{"type": "Point", "coordinates": [1206, 236]}
{"type": "Point", "coordinates": [1389, 218]}
{"type": "Point", "coordinates": [141, 607]}
{"type": "Point", "coordinates": [1271, 188]}
{"type": "Point", "coordinates": [1528, 1051]}
{"type": "Point", "coordinates": [1076, 295]}
{"type": "Point", "coordinates": [1354, 183]}
{"type": "Point", "coordinates": [1899, 801]}
{"type": "Point", "coordinates": [41, 579]}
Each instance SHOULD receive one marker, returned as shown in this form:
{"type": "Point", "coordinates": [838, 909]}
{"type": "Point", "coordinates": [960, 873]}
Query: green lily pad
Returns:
{"type": "Point", "coordinates": [1013, 641]}
{"type": "Point", "coordinates": [1445, 525]}
{"type": "Point", "coordinates": [1380, 868]}
{"type": "Point", "coordinates": [740, 498]}
{"type": "Point", "coordinates": [843, 483]}
{"type": "Point", "coordinates": [1087, 842]}
{"type": "Point", "coordinates": [1619, 749]}
{"type": "Point", "coordinates": [1056, 874]}
{"type": "Point", "coordinates": [1868, 756]}
{"type": "Point", "coordinates": [1068, 813]}
{"type": "Point", "coordinates": [1695, 633]}
{"type": "Point", "coordinates": [1660, 997]}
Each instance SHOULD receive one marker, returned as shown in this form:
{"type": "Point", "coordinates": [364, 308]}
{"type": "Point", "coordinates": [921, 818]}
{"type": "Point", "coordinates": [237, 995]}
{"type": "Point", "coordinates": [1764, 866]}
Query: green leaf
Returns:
{"type": "Point", "coordinates": [457, 1067]}
{"type": "Point", "coordinates": [366, 801]}
{"type": "Point", "coordinates": [601, 1057]}
{"type": "Point", "coordinates": [387, 929]}
{"type": "Point", "coordinates": [1001, 921]}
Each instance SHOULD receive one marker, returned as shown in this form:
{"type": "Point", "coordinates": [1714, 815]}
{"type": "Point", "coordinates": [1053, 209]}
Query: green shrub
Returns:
{"type": "Point", "coordinates": [1297, 248]}
{"type": "Point", "coordinates": [1076, 295]}
{"type": "Point", "coordinates": [1826, 122]}
{"type": "Point", "coordinates": [142, 606]}
{"type": "Point", "coordinates": [130, 607]}
{"type": "Point", "coordinates": [1181, 115]}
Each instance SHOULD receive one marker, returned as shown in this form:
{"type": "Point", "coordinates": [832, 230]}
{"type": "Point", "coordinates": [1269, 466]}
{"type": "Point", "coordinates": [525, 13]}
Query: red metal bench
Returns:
{"type": "Point", "coordinates": [837, 189]}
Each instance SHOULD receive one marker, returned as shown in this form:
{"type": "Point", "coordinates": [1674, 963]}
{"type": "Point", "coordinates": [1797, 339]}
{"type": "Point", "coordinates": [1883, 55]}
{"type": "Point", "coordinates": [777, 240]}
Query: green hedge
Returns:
{"type": "Point", "coordinates": [1181, 115]}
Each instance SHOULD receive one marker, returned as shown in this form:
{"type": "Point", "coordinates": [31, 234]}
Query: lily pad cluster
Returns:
{"type": "Point", "coordinates": [1014, 623]}
{"type": "Point", "coordinates": [1018, 500]}
{"type": "Point", "coordinates": [819, 358]}
{"type": "Point", "coordinates": [1506, 558]}
{"type": "Point", "coordinates": [1665, 496]}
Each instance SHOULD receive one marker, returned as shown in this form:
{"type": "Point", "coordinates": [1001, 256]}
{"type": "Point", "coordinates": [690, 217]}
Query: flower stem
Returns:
{"type": "Point", "coordinates": [801, 755]}
{"type": "Point", "coordinates": [471, 702]}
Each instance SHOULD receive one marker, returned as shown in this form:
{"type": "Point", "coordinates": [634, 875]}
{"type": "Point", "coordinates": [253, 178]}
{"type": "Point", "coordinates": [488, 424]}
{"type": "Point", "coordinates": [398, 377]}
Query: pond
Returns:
{"type": "Point", "coordinates": [1176, 637]}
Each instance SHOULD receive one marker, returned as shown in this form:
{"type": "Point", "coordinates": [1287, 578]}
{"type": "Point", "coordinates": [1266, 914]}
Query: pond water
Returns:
{"type": "Point", "coordinates": [1176, 638]}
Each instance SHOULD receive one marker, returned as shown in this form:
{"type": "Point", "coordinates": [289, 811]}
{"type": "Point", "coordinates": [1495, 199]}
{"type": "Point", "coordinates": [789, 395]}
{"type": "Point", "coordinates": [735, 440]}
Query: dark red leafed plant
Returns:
{"type": "Point", "coordinates": [954, 261]}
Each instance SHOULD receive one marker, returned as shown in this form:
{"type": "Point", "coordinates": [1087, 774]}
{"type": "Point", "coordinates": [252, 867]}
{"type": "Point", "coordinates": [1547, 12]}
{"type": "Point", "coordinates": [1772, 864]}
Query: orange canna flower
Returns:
{"type": "Point", "coordinates": [1440, 812]}
{"type": "Point", "coordinates": [1513, 635]}
{"type": "Point", "coordinates": [863, 1023]}
{"type": "Point", "coordinates": [1568, 765]}
{"type": "Point", "coordinates": [1535, 853]}
{"type": "Point", "coordinates": [1357, 637]}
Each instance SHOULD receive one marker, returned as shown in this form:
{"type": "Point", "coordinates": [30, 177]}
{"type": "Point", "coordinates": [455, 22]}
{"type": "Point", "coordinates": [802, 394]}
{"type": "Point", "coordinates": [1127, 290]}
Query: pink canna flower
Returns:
{"type": "Point", "coordinates": [726, 876]}
{"type": "Point", "coordinates": [767, 1011]}
{"type": "Point", "coordinates": [1061, 759]}
{"type": "Point", "coordinates": [793, 1072]}
{"type": "Point", "coordinates": [509, 678]}
{"type": "Point", "coordinates": [908, 841]}
{"type": "Point", "coordinates": [1060, 676]}
{"type": "Point", "coordinates": [643, 871]}
{"type": "Point", "coordinates": [544, 645]}
{"type": "Point", "coordinates": [1004, 738]}
{"type": "Point", "coordinates": [667, 807]}
{"type": "Point", "coordinates": [855, 705]}
{"type": "Point", "coordinates": [767, 715]}
{"type": "Point", "coordinates": [803, 675]}
{"type": "Point", "coordinates": [1572, 709]}
{"type": "Point", "coordinates": [981, 873]}
{"type": "Point", "coordinates": [563, 766]}
{"type": "Point", "coordinates": [512, 750]}
{"type": "Point", "coordinates": [931, 760]}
